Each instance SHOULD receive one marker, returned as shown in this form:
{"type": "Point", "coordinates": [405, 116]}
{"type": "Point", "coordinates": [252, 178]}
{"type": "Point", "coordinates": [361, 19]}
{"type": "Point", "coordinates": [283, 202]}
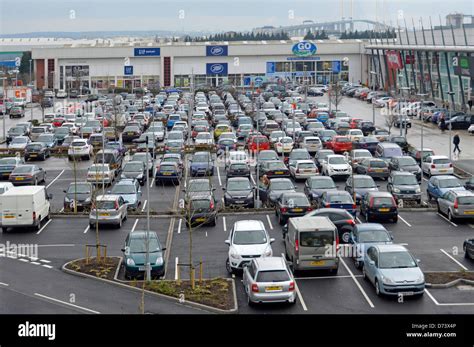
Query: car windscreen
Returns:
{"type": "Point", "coordinates": [406, 161]}
{"type": "Point", "coordinates": [378, 164]}
{"type": "Point", "coordinates": [392, 152]}
{"type": "Point", "coordinates": [22, 169]}
{"type": "Point", "coordinates": [138, 245]}
{"type": "Point", "coordinates": [337, 160]}
{"type": "Point", "coordinates": [79, 189]}
{"type": "Point", "coordinates": [7, 161]}
{"type": "Point", "coordinates": [273, 276]}
{"type": "Point", "coordinates": [322, 184]}
{"type": "Point", "coordinates": [374, 236]}
{"type": "Point", "coordinates": [378, 201]}
{"type": "Point", "coordinates": [441, 161]}
{"type": "Point", "coordinates": [405, 180]}
{"type": "Point", "coordinates": [295, 200]}
{"type": "Point", "coordinates": [316, 238]}
{"type": "Point", "coordinates": [133, 167]}
{"type": "Point", "coordinates": [105, 158]}
{"type": "Point", "coordinates": [306, 165]}
{"type": "Point", "coordinates": [249, 237]}
{"type": "Point", "coordinates": [199, 186]}
{"type": "Point", "coordinates": [238, 185]}
{"type": "Point", "coordinates": [282, 185]}
{"type": "Point", "coordinates": [201, 158]}
{"type": "Point", "coordinates": [340, 199]}
{"type": "Point", "coordinates": [20, 140]}
{"type": "Point", "coordinates": [200, 204]}
{"type": "Point", "coordinates": [34, 147]}
{"type": "Point", "coordinates": [396, 260]}
{"type": "Point", "coordinates": [449, 183]}
{"type": "Point", "coordinates": [364, 182]}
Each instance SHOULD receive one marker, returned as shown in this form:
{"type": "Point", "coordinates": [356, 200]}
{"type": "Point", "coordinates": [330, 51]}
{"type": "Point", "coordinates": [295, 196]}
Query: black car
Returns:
{"type": "Point", "coordinates": [342, 219]}
{"type": "Point", "coordinates": [400, 122]}
{"type": "Point", "coordinates": [47, 102]}
{"type": "Point", "coordinates": [273, 169]}
{"type": "Point", "coordinates": [292, 204]}
{"type": "Point", "coordinates": [73, 93]}
{"type": "Point", "coordinates": [315, 186]}
{"type": "Point", "coordinates": [37, 150]}
{"type": "Point", "coordinates": [469, 185]}
{"type": "Point", "coordinates": [238, 170]}
{"type": "Point", "coordinates": [379, 206]}
{"type": "Point", "coordinates": [130, 133]}
{"type": "Point", "coordinates": [81, 193]}
{"type": "Point", "coordinates": [202, 210]}
{"type": "Point", "coordinates": [239, 192]}
{"type": "Point", "coordinates": [462, 121]}
{"type": "Point", "coordinates": [468, 247]}
{"type": "Point", "coordinates": [368, 142]}
{"type": "Point", "coordinates": [367, 127]}
{"type": "Point", "coordinates": [405, 163]}
{"type": "Point", "coordinates": [399, 140]}
{"type": "Point", "coordinates": [404, 186]}
{"type": "Point", "coordinates": [14, 132]}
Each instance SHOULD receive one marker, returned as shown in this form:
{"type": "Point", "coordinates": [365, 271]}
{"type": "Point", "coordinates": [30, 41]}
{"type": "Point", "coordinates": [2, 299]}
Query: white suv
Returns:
{"type": "Point", "coordinates": [80, 148]}
{"type": "Point", "coordinates": [336, 165]}
{"type": "Point", "coordinates": [248, 239]}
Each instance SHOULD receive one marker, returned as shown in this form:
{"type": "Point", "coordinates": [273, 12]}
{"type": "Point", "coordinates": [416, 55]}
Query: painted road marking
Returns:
{"type": "Point", "coordinates": [223, 222]}
{"type": "Point", "coordinates": [447, 220]}
{"type": "Point", "coordinates": [44, 226]}
{"type": "Point", "coordinates": [45, 261]}
{"type": "Point", "coordinates": [24, 260]}
{"type": "Point", "coordinates": [4, 284]}
{"type": "Point", "coordinates": [471, 226]}
{"type": "Point", "coordinates": [152, 182]}
{"type": "Point", "coordinates": [300, 297]}
{"type": "Point", "coordinates": [269, 222]}
{"type": "Point", "coordinates": [358, 220]}
{"type": "Point", "coordinates": [447, 304]}
{"type": "Point", "coordinates": [61, 210]}
{"type": "Point", "coordinates": [457, 262]}
{"type": "Point", "coordinates": [404, 221]}
{"type": "Point", "coordinates": [87, 229]}
{"type": "Point", "coordinates": [66, 303]}
{"type": "Point", "coordinates": [134, 225]}
{"type": "Point", "coordinates": [144, 206]}
{"type": "Point", "coordinates": [176, 260]}
{"type": "Point", "coordinates": [35, 262]}
{"type": "Point", "coordinates": [179, 225]}
{"type": "Point", "coordinates": [251, 176]}
{"type": "Point", "coordinates": [357, 283]}
{"type": "Point", "coordinates": [219, 176]}
{"type": "Point", "coordinates": [49, 185]}
{"type": "Point", "coordinates": [47, 266]}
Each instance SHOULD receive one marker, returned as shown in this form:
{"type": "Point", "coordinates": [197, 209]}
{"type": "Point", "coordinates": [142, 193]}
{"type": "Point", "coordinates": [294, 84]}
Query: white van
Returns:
{"type": "Point", "coordinates": [4, 187]}
{"type": "Point", "coordinates": [24, 206]}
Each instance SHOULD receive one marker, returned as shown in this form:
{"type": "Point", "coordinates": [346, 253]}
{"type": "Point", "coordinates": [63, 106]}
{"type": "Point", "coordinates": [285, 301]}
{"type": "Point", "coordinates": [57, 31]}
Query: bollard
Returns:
{"type": "Point", "coordinates": [200, 271]}
{"type": "Point", "coordinates": [193, 273]}
{"type": "Point", "coordinates": [178, 274]}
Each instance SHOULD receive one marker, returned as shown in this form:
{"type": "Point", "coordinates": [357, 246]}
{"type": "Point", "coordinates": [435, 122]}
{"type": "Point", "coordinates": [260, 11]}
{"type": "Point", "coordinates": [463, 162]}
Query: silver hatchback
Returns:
{"type": "Point", "coordinates": [268, 279]}
{"type": "Point", "coordinates": [457, 204]}
{"type": "Point", "coordinates": [108, 209]}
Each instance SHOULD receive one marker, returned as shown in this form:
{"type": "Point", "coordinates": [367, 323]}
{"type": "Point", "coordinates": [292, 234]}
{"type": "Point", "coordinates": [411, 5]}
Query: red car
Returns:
{"type": "Point", "coordinates": [354, 124]}
{"type": "Point", "coordinates": [105, 122]}
{"type": "Point", "coordinates": [261, 140]}
{"type": "Point", "coordinates": [340, 144]}
{"type": "Point", "coordinates": [58, 121]}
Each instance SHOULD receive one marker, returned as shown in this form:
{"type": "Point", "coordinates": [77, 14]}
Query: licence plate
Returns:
{"type": "Point", "coordinates": [104, 214]}
{"type": "Point", "coordinates": [8, 216]}
{"type": "Point", "coordinates": [443, 170]}
{"type": "Point", "coordinates": [18, 178]}
{"type": "Point", "coordinates": [167, 173]}
{"type": "Point", "coordinates": [239, 201]}
{"type": "Point", "coordinates": [468, 212]}
{"type": "Point", "coordinates": [318, 263]}
{"type": "Point", "coordinates": [406, 293]}
{"type": "Point", "coordinates": [378, 170]}
{"type": "Point", "coordinates": [278, 172]}
{"type": "Point", "coordinates": [200, 219]}
{"type": "Point", "coordinates": [297, 210]}
{"type": "Point", "coordinates": [384, 209]}
{"type": "Point", "coordinates": [273, 289]}
{"type": "Point", "coordinates": [33, 155]}
{"type": "Point", "coordinates": [130, 133]}
{"type": "Point", "coordinates": [141, 268]}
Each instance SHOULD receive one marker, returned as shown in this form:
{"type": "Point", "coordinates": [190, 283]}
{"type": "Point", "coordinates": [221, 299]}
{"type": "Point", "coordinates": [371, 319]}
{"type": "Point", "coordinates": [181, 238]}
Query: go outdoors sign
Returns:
{"type": "Point", "coordinates": [304, 49]}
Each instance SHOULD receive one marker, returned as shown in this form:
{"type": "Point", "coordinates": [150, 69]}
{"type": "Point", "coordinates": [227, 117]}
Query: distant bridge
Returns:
{"type": "Point", "coordinates": [334, 27]}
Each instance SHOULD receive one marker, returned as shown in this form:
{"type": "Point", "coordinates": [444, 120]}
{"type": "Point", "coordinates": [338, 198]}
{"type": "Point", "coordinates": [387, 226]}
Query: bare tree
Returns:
{"type": "Point", "coordinates": [335, 94]}
{"type": "Point", "coordinates": [390, 118]}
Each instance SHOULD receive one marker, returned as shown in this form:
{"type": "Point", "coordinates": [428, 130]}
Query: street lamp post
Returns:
{"type": "Point", "coordinates": [4, 107]}
{"type": "Point", "coordinates": [404, 123]}
{"type": "Point", "coordinates": [423, 95]}
{"type": "Point", "coordinates": [450, 93]}
{"type": "Point", "coordinates": [373, 73]}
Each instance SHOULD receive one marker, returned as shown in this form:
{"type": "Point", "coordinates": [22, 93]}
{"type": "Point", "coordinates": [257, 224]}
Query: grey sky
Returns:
{"type": "Point", "coordinates": [17, 16]}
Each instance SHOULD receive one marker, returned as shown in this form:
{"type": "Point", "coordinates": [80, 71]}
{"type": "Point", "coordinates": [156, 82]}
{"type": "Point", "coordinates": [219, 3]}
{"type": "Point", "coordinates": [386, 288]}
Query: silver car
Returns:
{"type": "Point", "coordinates": [269, 279]}
{"type": "Point", "coordinates": [457, 204]}
{"type": "Point", "coordinates": [393, 271]}
{"type": "Point", "coordinates": [108, 209]}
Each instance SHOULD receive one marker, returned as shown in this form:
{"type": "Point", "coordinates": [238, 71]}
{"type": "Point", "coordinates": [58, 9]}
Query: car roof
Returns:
{"type": "Point", "coordinates": [338, 192]}
{"type": "Point", "coordinates": [463, 192]}
{"type": "Point", "coordinates": [237, 179]}
{"type": "Point", "coordinates": [401, 173]}
{"type": "Point", "coordinates": [443, 177]}
{"type": "Point", "coordinates": [438, 157]}
{"type": "Point", "coordinates": [107, 197]}
{"type": "Point", "coordinates": [380, 194]}
{"type": "Point", "coordinates": [390, 248]}
{"type": "Point", "coordinates": [138, 234]}
{"type": "Point", "coordinates": [125, 181]}
{"type": "Point", "coordinates": [328, 209]}
{"type": "Point", "coordinates": [280, 179]}
{"type": "Point", "coordinates": [369, 226]}
{"type": "Point", "coordinates": [248, 225]}
{"type": "Point", "coordinates": [270, 263]}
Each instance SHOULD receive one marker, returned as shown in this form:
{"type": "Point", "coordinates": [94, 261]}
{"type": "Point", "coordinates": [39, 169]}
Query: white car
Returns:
{"type": "Point", "coordinates": [204, 138]}
{"type": "Point", "coordinates": [312, 144]}
{"type": "Point", "coordinates": [100, 172]}
{"type": "Point", "coordinates": [49, 117]}
{"type": "Point", "coordinates": [202, 107]}
{"type": "Point", "coordinates": [355, 134]}
{"type": "Point", "coordinates": [284, 145]}
{"type": "Point", "coordinates": [303, 169]}
{"type": "Point", "coordinates": [73, 129]}
{"type": "Point", "coordinates": [237, 157]}
{"type": "Point", "coordinates": [61, 94]}
{"type": "Point", "coordinates": [382, 102]}
{"type": "Point", "coordinates": [471, 129]}
{"type": "Point", "coordinates": [437, 165]}
{"type": "Point", "coordinates": [19, 143]}
{"type": "Point", "coordinates": [357, 155]}
{"type": "Point", "coordinates": [336, 165]}
{"type": "Point", "coordinates": [80, 148]}
{"type": "Point", "coordinates": [248, 239]}
{"type": "Point", "coordinates": [276, 136]}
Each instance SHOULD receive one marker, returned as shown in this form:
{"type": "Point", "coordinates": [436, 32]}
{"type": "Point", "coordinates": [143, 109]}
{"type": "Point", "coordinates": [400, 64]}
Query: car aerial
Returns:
{"type": "Point", "coordinates": [19, 143]}
{"type": "Point", "coordinates": [468, 185]}
{"type": "Point", "coordinates": [129, 190]}
{"type": "Point", "coordinates": [364, 235]}
{"type": "Point", "coordinates": [439, 185]}
{"type": "Point", "coordinates": [457, 205]}
{"type": "Point", "coordinates": [100, 173]}
{"type": "Point", "coordinates": [393, 271]}
{"type": "Point", "coordinates": [342, 219]}
{"type": "Point", "coordinates": [379, 206]}
{"type": "Point", "coordinates": [201, 164]}
{"type": "Point", "coordinates": [79, 195]}
{"type": "Point", "coordinates": [80, 148]}
{"type": "Point", "coordinates": [373, 167]}
{"type": "Point", "coordinates": [437, 165]}
{"type": "Point", "coordinates": [202, 210]}
{"type": "Point", "coordinates": [36, 150]}
{"type": "Point", "coordinates": [336, 165]}
{"type": "Point", "coordinates": [291, 205]}
{"type": "Point", "coordinates": [404, 186]}
{"type": "Point", "coordinates": [340, 144]}
{"type": "Point", "coordinates": [277, 186]}
{"type": "Point", "coordinates": [338, 199]}
{"type": "Point", "coordinates": [108, 209]}
{"type": "Point", "coordinates": [248, 239]}
{"type": "Point", "coordinates": [239, 192]}
{"type": "Point", "coordinates": [268, 280]}
{"type": "Point", "coordinates": [406, 164]}
{"type": "Point", "coordinates": [196, 187]}
{"type": "Point", "coordinates": [27, 175]}
{"type": "Point", "coordinates": [137, 244]}
{"type": "Point", "coordinates": [303, 169]}
{"type": "Point", "coordinates": [272, 169]}
{"type": "Point", "coordinates": [8, 164]}
{"type": "Point", "coordinates": [360, 185]}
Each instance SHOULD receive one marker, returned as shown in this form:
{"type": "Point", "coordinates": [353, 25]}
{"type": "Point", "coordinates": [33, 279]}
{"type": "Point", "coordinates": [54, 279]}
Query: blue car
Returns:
{"type": "Point", "coordinates": [338, 199]}
{"type": "Point", "coordinates": [439, 185]}
{"type": "Point", "coordinates": [202, 164]}
{"type": "Point", "coordinates": [129, 190]}
{"type": "Point", "coordinates": [363, 236]}
{"type": "Point", "coordinates": [168, 171]}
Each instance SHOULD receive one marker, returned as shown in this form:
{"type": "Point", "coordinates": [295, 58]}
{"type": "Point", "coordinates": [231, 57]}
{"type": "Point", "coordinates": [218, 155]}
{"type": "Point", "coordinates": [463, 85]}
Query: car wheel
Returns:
{"type": "Point", "coordinates": [281, 220]}
{"type": "Point", "coordinates": [450, 216]}
{"type": "Point", "coordinates": [377, 288]}
{"type": "Point", "coordinates": [364, 274]}
{"type": "Point", "coordinates": [430, 197]}
{"type": "Point", "coordinates": [334, 271]}
{"type": "Point", "coordinates": [120, 222]}
{"type": "Point", "coordinates": [5, 230]}
{"type": "Point", "coordinates": [357, 264]}
{"type": "Point", "coordinates": [249, 302]}
{"type": "Point", "coordinates": [466, 253]}
{"type": "Point", "coordinates": [214, 222]}
{"type": "Point", "coordinates": [228, 267]}
{"type": "Point", "coordinates": [395, 219]}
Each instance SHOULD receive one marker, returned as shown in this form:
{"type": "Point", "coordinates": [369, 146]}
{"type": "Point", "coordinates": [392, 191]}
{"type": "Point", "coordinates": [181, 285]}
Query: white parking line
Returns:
{"type": "Point", "coordinates": [179, 225]}
{"type": "Point", "coordinates": [47, 266]}
{"type": "Point", "coordinates": [152, 182]}
{"type": "Point", "coordinates": [45, 261]}
{"type": "Point", "coordinates": [61, 210]}
{"type": "Point", "coordinates": [66, 303]}
{"type": "Point", "coordinates": [87, 229]}
{"type": "Point", "coordinates": [269, 222]}
{"type": "Point", "coordinates": [219, 176]}
{"type": "Point", "coordinates": [4, 284]}
{"type": "Point", "coordinates": [357, 283]}
{"type": "Point", "coordinates": [144, 205]}
{"type": "Point", "coordinates": [176, 268]}
{"type": "Point", "coordinates": [35, 262]}
{"type": "Point", "coordinates": [447, 304]}
{"type": "Point", "coordinates": [404, 221]}
{"type": "Point", "coordinates": [471, 226]}
{"type": "Point", "coordinates": [300, 297]}
{"type": "Point", "coordinates": [253, 180]}
{"type": "Point", "coordinates": [432, 297]}
{"type": "Point", "coordinates": [44, 226]}
{"type": "Point", "coordinates": [447, 220]}
{"type": "Point", "coordinates": [134, 225]}
{"type": "Point", "coordinates": [49, 185]}
{"type": "Point", "coordinates": [457, 262]}
{"type": "Point", "coordinates": [24, 260]}
{"type": "Point", "coordinates": [424, 179]}
{"type": "Point", "coordinates": [358, 220]}
{"type": "Point", "coordinates": [223, 222]}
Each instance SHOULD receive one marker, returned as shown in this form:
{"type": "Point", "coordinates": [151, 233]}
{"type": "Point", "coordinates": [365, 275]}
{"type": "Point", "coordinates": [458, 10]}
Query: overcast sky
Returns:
{"type": "Point", "coordinates": [17, 16]}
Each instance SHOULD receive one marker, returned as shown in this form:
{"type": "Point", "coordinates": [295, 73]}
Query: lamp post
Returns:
{"type": "Point", "coordinates": [4, 107]}
{"type": "Point", "coordinates": [450, 93]}
{"type": "Point", "coordinates": [373, 73]}
{"type": "Point", "coordinates": [422, 95]}
{"type": "Point", "coordinates": [404, 113]}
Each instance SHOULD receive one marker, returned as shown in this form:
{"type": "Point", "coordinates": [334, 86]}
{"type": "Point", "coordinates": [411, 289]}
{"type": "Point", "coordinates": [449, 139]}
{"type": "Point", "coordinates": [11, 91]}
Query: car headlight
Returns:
{"type": "Point", "coordinates": [386, 280]}
{"type": "Point", "coordinates": [250, 195]}
{"type": "Point", "coordinates": [268, 252]}
{"type": "Point", "coordinates": [66, 199]}
{"type": "Point", "coordinates": [159, 260]}
{"type": "Point", "coordinates": [396, 190]}
{"type": "Point", "coordinates": [130, 262]}
{"type": "Point", "coordinates": [123, 176]}
{"type": "Point", "coordinates": [418, 190]}
{"type": "Point", "coordinates": [420, 279]}
{"type": "Point", "coordinates": [234, 254]}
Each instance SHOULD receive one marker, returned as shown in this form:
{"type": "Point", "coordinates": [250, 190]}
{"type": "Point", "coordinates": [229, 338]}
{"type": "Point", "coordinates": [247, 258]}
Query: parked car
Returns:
{"type": "Point", "coordinates": [108, 209]}
{"type": "Point", "coordinates": [196, 187]}
{"type": "Point", "coordinates": [272, 169]}
{"type": "Point", "coordinates": [18, 143]}
{"type": "Point", "coordinates": [340, 144]}
{"type": "Point", "coordinates": [468, 248]}
{"type": "Point", "coordinates": [168, 171]}
{"type": "Point", "coordinates": [439, 185]}
{"type": "Point", "coordinates": [399, 140]}
{"type": "Point", "coordinates": [80, 148]}
{"type": "Point", "coordinates": [27, 175]}
{"type": "Point", "coordinates": [373, 167]}
{"type": "Point", "coordinates": [404, 186]}
{"type": "Point", "coordinates": [303, 169]}
{"type": "Point", "coordinates": [129, 190]}
{"type": "Point", "coordinates": [202, 210]}
{"type": "Point", "coordinates": [239, 192]}
{"type": "Point", "coordinates": [201, 164]}
{"type": "Point", "coordinates": [315, 186]}
{"type": "Point", "coordinates": [342, 219]}
{"type": "Point", "coordinates": [36, 150]}
{"type": "Point", "coordinates": [393, 271]}
{"type": "Point", "coordinates": [321, 156]}
{"type": "Point", "coordinates": [8, 164]}
{"type": "Point", "coordinates": [135, 170]}
{"type": "Point", "coordinates": [99, 173]}
{"type": "Point", "coordinates": [468, 185]}
{"type": "Point", "coordinates": [456, 204]}
{"type": "Point", "coordinates": [291, 205]}
{"type": "Point", "coordinates": [360, 185]}
{"type": "Point", "coordinates": [437, 165]}
{"type": "Point", "coordinates": [78, 194]}
{"type": "Point", "coordinates": [338, 199]}
{"type": "Point", "coordinates": [238, 170]}
{"type": "Point", "coordinates": [406, 164]}
{"type": "Point", "coordinates": [336, 166]}
{"type": "Point", "coordinates": [416, 153]}
{"type": "Point", "coordinates": [379, 206]}
{"type": "Point", "coordinates": [277, 186]}
{"type": "Point", "coordinates": [363, 236]}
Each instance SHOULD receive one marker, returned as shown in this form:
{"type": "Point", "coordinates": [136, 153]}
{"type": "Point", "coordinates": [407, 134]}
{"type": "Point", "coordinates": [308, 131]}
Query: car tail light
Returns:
{"type": "Point", "coordinates": [158, 168]}
{"type": "Point", "coordinates": [337, 241]}
{"type": "Point", "coordinates": [34, 215]}
{"type": "Point", "coordinates": [456, 204]}
{"type": "Point", "coordinates": [328, 204]}
{"type": "Point", "coordinates": [283, 209]}
{"type": "Point", "coordinates": [371, 204]}
{"type": "Point", "coordinates": [116, 205]}
{"type": "Point", "coordinates": [309, 209]}
{"type": "Point", "coordinates": [255, 288]}
{"type": "Point", "coordinates": [393, 202]}
{"type": "Point", "coordinates": [211, 204]}
{"type": "Point", "coordinates": [297, 246]}
{"type": "Point", "coordinates": [369, 170]}
{"type": "Point", "coordinates": [450, 164]}
{"type": "Point", "coordinates": [350, 221]}
{"type": "Point", "coordinates": [433, 166]}
{"type": "Point", "coordinates": [354, 206]}
{"type": "Point", "coordinates": [292, 286]}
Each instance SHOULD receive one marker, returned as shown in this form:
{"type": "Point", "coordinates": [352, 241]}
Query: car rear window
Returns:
{"type": "Point", "coordinates": [441, 161]}
{"type": "Point", "coordinates": [382, 201]}
{"type": "Point", "coordinates": [377, 163]}
{"type": "Point", "coordinates": [316, 238]}
{"type": "Point", "coordinates": [392, 152]}
{"type": "Point", "coordinates": [273, 276]}
{"type": "Point", "coordinates": [306, 165]}
{"type": "Point", "coordinates": [466, 200]}
{"type": "Point", "coordinates": [106, 205]}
